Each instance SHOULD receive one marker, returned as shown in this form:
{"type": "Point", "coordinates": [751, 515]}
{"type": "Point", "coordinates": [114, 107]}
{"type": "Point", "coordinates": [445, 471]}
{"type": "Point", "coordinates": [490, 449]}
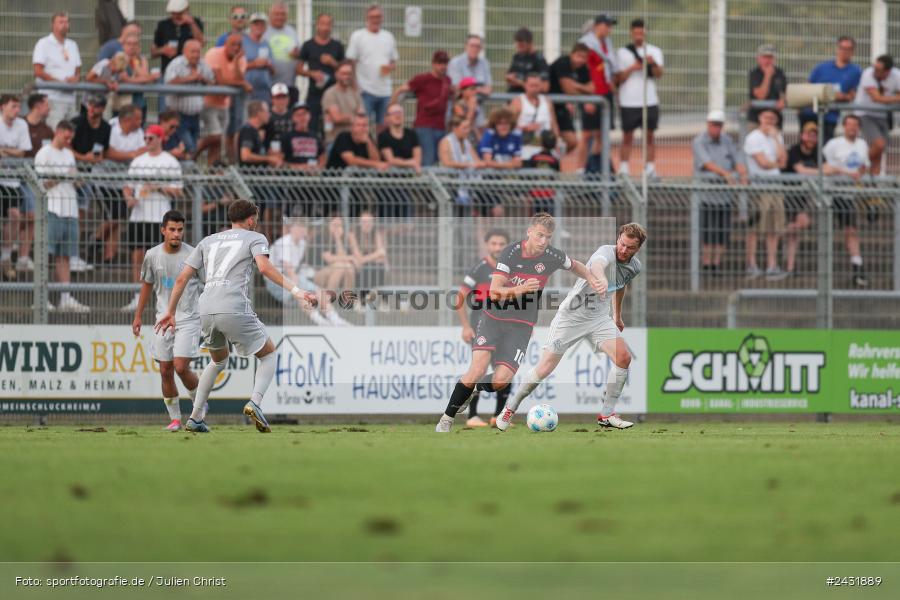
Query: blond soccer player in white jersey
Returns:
{"type": "Point", "coordinates": [174, 352]}
{"type": "Point", "coordinates": [585, 314]}
{"type": "Point", "coordinates": [226, 314]}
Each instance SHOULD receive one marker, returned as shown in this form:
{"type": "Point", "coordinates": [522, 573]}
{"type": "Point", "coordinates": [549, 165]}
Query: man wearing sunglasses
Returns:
{"type": "Point", "coordinates": [239, 22]}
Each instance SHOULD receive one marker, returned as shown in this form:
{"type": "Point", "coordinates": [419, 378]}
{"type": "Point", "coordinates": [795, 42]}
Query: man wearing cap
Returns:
{"type": "Point", "coordinates": [767, 82]}
{"type": "Point", "coordinates": [526, 60]}
{"type": "Point", "coordinates": [319, 57]}
{"type": "Point", "coordinates": [716, 157]}
{"type": "Point", "coordinates": [56, 58]}
{"type": "Point", "coordinates": [841, 73]}
{"type": "Point", "coordinates": [259, 59]}
{"type": "Point", "coordinates": [374, 53]}
{"type": "Point", "coordinates": [432, 90]}
{"type": "Point", "coordinates": [149, 200]}
{"type": "Point", "coordinates": [603, 67]}
{"type": "Point", "coordinates": [189, 69]}
{"type": "Point", "coordinates": [280, 121]}
{"type": "Point", "coordinates": [229, 65]}
{"type": "Point", "coordinates": [173, 32]}
{"type": "Point", "coordinates": [302, 148]}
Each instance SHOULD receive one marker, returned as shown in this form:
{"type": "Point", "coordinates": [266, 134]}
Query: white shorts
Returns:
{"type": "Point", "coordinates": [565, 332]}
{"type": "Point", "coordinates": [245, 332]}
{"type": "Point", "coordinates": [184, 343]}
{"type": "Point", "coordinates": [215, 120]}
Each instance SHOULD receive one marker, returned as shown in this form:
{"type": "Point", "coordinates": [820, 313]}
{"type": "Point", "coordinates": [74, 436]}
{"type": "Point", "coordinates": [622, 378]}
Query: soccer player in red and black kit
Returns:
{"type": "Point", "coordinates": [508, 320]}
{"type": "Point", "coordinates": [474, 294]}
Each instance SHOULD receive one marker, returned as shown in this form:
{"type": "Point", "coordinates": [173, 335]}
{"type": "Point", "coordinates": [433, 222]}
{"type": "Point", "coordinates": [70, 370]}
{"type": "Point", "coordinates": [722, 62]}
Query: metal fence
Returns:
{"type": "Point", "coordinates": [432, 225]}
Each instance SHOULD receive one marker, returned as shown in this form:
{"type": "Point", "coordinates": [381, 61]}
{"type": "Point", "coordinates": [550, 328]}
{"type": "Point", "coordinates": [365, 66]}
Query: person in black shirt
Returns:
{"type": "Point", "coordinates": [570, 75]}
{"type": "Point", "coordinates": [172, 33]}
{"type": "Point", "coordinates": [253, 151]}
{"type": "Point", "coordinates": [302, 148]}
{"type": "Point", "coordinates": [508, 320]}
{"type": "Point", "coordinates": [355, 148]}
{"type": "Point", "coordinates": [91, 140]}
{"type": "Point", "coordinates": [399, 145]}
{"type": "Point", "coordinates": [280, 117]}
{"type": "Point", "coordinates": [526, 60]}
{"type": "Point", "coordinates": [319, 56]}
{"type": "Point", "coordinates": [547, 161]}
{"type": "Point", "coordinates": [767, 82]}
{"type": "Point", "coordinates": [473, 294]}
{"type": "Point", "coordinates": [803, 159]}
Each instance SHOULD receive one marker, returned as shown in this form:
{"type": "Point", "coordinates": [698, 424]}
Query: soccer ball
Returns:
{"type": "Point", "coordinates": [542, 418]}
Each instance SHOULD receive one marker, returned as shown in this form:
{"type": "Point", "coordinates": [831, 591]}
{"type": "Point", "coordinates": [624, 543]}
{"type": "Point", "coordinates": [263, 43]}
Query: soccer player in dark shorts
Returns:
{"type": "Point", "coordinates": [507, 322]}
{"type": "Point", "coordinates": [473, 294]}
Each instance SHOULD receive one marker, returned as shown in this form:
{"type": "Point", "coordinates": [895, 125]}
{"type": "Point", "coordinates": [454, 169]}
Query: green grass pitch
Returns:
{"type": "Point", "coordinates": [657, 492]}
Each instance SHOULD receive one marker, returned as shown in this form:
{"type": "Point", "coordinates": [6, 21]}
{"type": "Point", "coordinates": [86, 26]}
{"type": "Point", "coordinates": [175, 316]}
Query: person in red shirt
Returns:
{"type": "Point", "coordinates": [433, 91]}
{"type": "Point", "coordinates": [602, 66]}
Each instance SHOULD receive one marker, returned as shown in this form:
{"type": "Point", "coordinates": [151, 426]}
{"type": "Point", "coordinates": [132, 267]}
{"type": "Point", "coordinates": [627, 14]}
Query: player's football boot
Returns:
{"type": "Point", "coordinates": [475, 421]}
{"type": "Point", "coordinates": [504, 419]}
{"type": "Point", "coordinates": [444, 425]}
{"type": "Point", "coordinates": [196, 426]}
{"type": "Point", "coordinates": [175, 425]}
{"type": "Point", "coordinates": [613, 421]}
{"type": "Point", "coordinates": [259, 419]}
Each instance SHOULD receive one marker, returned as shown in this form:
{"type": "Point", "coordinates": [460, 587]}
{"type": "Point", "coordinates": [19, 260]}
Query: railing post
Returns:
{"type": "Point", "coordinates": [825, 256]}
{"type": "Point", "coordinates": [695, 241]}
{"type": "Point", "coordinates": [896, 243]}
{"type": "Point", "coordinates": [552, 29]}
{"type": "Point", "coordinates": [41, 253]}
{"type": "Point", "coordinates": [639, 297]}
{"type": "Point", "coordinates": [446, 226]}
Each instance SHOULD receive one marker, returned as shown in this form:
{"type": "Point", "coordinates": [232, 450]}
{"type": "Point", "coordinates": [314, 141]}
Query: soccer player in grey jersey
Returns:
{"type": "Point", "coordinates": [585, 314]}
{"type": "Point", "coordinates": [226, 315]}
{"type": "Point", "coordinates": [160, 268]}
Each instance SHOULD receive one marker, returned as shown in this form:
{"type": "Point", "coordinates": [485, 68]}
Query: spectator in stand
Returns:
{"type": "Point", "coordinates": [716, 156]}
{"type": "Point", "coordinates": [767, 82]}
{"type": "Point", "coordinates": [879, 86]}
{"type": "Point", "coordinates": [456, 151]}
{"type": "Point", "coordinates": [38, 131]}
{"type": "Point", "coordinates": [340, 102]}
{"type": "Point", "coordinates": [108, 20]}
{"type": "Point", "coordinates": [288, 254]}
{"type": "Point", "coordinates": [602, 66]}
{"type": "Point", "coordinates": [238, 20]}
{"type": "Point", "coordinates": [766, 156]}
{"type": "Point", "coordinates": [534, 115]}
{"type": "Point", "coordinates": [526, 60]}
{"type": "Point", "coordinates": [848, 155]}
{"type": "Point", "coordinates": [172, 33]}
{"type": "Point", "coordinates": [90, 146]}
{"type": "Point", "coordinates": [501, 145]}
{"type": "Point", "coordinates": [56, 158]}
{"type": "Point", "coordinates": [229, 65]}
{"type": "Point", "coordinates": [137, 69]}
{"type": "Point", "coordinates": [115, 45]}
{"type": "Point", "coordinates": [844, 75]}
{"type": "Point", "coordinates": [467, 107]}
{"type": "Point", "coordinates": [280, 121]}
{"type": "Point", "coordinates": [802, 159]}
{"type": "Point", "coordinates": [14, 143]}
{"type": "Point", "coordinates": [56, 58]}
{"type": "Point", "coordinates": [471, 64]}
{"type": "Point", "coordinates": [259, 59]}
{"type": "Point", "coordinates": [374, 53]}
{"type": "Point", "coordinates": [399, 145]}
{"type": "Point", "coordinates": [432, 90]}
{"type": "Point", "coordinates": [189, 69]}
{"type": "Point", "coordinates": [126, 139]}
{"type": "Point", "coordinates": [149, 200]}
{"type": "Point", "coordinates": [253, 147]}
{"type": "Point", "coordinates": [338, 268]}
{"type": "Point", "coordinates": [109, 72]}
{"type": "Point", "coordinates": [355, 148]}
{"type": "Point", "coordinates": [545, 160]}
{"type": "Point", "coordinates": [285, 45]}
{"type": "Point", "coordinates": [172, 142]}
{"type": "Point", "coordinates": [369, 251]}
{"type": "Point", "coordinates": [569, 75]}
{"type": "Point", "coordinates": [303, 148]}
{"type": "Point", "coordinates": [320, 57]}
{"type": "Point", "coordinates": [631, 61]}
{"type": "Point", "coordinates": [92, 132]}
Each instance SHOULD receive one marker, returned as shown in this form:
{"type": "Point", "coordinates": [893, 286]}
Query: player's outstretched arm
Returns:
{"type": "Point", "coordinates": [271, 273]}
{"type": "Point", "coordinates": [146, 289]}
{"type": "Point", "coordinates": [167, 321]}
{"type": "Point", "coordinates": [617, 309]}
{"type": "Point", "coordinates": [594, 276]}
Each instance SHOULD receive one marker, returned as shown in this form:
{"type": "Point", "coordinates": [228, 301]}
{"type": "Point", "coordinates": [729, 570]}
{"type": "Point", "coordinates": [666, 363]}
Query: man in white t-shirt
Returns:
{"type": "Point", "coordinates": [879, 87]}
{"type": "Point", "coordinates": [15, 141]}
{"type": "Point", "coordinates": [766, 156]}
{"type": "Point", "coordinates": [632, 60]}
{"type": "Point", "coordinates": [374, 52]}
{"type": "Point", "coordinates": [56, 58]}
{"type": "Point", "coordinates": [149, 200]}
{"type": "Point", "coordinates": [848, 156]}
{"type": "Point", "coordinates": [57, 158]}
{"type": "Point", "coordinates": [126, 138]}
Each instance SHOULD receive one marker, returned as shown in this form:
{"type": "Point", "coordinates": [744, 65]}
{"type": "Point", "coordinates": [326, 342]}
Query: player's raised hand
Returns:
{"type": "Point", "coordinates": [532, 285]}
{"type": "Point", "coordinates": [136, 327]}
{"type": "Point", "coordinates": [166, 322]}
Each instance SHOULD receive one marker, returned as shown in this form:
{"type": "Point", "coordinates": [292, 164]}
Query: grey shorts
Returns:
{"type": "Point", "coordinates": [565, 332]}
{"type": "Point", "coordinates": [62, 235]}
{"type": "Point", "coordinates": [874, 128]}
{"type": "Point", "coordinates": [215, 120]}
{"type": "Point", "coordinates": [184, 343]}
{"type": "Point", "coordinates": [245, 332]}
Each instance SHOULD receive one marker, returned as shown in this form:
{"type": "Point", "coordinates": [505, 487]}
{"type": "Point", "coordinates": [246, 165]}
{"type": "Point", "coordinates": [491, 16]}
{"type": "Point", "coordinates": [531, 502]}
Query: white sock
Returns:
{"type": "Point", "coordinates": [615, 381]}
{"type": "Point", "coordinates": [532, 381]}
{"type": "Point", "coordinates": [207, 380]}
{"type": "Point", "coordinates": [856, 260]}
{"type": "Point", "coordinates": [265, 373]}
{"type": "Point", "coordinates": [174, 407]}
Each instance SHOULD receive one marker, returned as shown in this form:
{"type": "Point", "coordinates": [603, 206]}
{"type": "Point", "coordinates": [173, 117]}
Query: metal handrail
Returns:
{"type": "Point", "coordinates": [181, 89]}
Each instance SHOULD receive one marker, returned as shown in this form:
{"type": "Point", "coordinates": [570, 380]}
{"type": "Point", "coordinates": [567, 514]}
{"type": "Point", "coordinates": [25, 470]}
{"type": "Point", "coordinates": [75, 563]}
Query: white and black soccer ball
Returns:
{"type": "Point", "coordinates": [542, 417]}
